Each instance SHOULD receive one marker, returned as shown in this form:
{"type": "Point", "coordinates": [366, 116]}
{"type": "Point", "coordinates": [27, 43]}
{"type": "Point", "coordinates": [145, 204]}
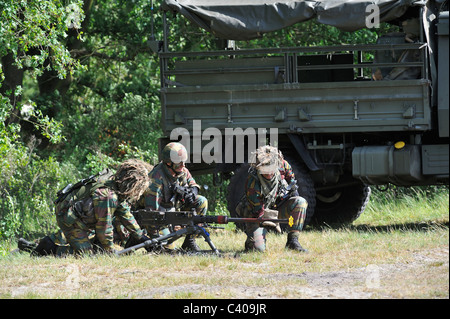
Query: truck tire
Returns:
{"type": "Point", "coordinates": [236, 189]}
{"type": "Point", "coordinates": [341, 206]}
{"type": "Point", "coordinates": [305, 186]}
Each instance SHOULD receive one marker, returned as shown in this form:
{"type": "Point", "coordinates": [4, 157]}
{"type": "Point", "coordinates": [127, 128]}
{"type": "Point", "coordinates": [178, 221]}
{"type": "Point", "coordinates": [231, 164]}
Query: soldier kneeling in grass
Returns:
{"type": "Point", "coordinates": [86, 212]}
{"type": "Point", "coordinates": [266, 196]}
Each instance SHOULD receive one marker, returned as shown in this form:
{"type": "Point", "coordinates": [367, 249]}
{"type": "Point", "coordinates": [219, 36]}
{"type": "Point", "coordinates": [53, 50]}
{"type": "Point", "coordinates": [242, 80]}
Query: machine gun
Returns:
{"type": "Point", "coordinates": [193, 225]}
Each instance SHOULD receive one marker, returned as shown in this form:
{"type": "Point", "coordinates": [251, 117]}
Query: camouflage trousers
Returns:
{"type": "Point", "coordinates": [76, 234]}
{"type": "Point", "coordinates": [64, 248]}
{"type": "Point", "coordinates": [256, 235]}
{"type": "Point", "coordinates": [200, 205]}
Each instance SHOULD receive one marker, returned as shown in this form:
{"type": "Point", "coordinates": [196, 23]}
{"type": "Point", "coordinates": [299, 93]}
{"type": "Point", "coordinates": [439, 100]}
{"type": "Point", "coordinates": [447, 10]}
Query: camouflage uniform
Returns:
{"type": "Point", "coordinates": [159, 194]}
{"type": "Point", "coordinates": [261, 194]}
{"type": "Point", "coordinates": [95, 212]}
{"type": "Point", "coordinates": [103, 205]}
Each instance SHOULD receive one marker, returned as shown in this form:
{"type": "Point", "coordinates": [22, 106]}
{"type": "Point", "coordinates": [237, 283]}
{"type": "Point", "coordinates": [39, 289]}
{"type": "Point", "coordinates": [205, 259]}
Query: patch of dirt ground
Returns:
{"type": "Point", "coordinates": [425, 277]}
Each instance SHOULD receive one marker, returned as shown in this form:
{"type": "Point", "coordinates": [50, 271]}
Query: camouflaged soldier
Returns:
{"type": "Point", "coordinates": [88, 211]}
{"type": "Point", "coordinates": [269, 176]}
{"type": "Point", "coordinates": [56, 243]}
{"type": "Point", "coordinates": [173, 187]}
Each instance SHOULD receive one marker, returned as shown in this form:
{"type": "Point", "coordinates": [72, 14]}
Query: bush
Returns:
{"type": "Point", "coordinates": [28, 187]}
{"type": "Point", "coordinates": [111, 133]}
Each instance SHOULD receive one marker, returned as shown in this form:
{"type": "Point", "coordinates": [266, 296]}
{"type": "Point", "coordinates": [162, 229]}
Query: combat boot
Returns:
{"type": "Point", "coordinates": [25, 245]}
{"type": "Point", "coordinates": [249, 245]}
{"type": "Point", "coordinates": [190, 244]}
{"type": "Point", "coordinates": [45, 247]}
{"type": "Point", "coordinates": [292, 242]}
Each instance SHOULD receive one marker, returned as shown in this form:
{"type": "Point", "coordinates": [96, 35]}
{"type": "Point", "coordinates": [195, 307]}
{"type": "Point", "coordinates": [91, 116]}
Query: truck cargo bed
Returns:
{"type": "Point", "coordinates": [333, 107]}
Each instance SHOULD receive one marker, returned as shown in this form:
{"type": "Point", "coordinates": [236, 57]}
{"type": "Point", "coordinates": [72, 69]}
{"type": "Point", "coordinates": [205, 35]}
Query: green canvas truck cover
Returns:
{"type": "Point", "coordinates": [249, 19]}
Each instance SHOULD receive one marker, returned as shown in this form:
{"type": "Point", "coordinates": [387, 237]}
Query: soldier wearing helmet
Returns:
{"type": "Point", "coordinates": [268, 194]}
{"type": "Point", "coordinates": [161, 194]}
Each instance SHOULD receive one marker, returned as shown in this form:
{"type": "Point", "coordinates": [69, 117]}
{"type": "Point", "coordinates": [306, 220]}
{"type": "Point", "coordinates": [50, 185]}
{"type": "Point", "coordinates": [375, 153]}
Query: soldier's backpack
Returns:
{"type": "Point", "coordinates": [83, 187]}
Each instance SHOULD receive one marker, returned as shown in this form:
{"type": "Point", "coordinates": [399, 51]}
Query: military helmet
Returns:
{"type": "Point", "coordinates": [266, 159]}
{"type": "Point", "coordinates": [174, 152]}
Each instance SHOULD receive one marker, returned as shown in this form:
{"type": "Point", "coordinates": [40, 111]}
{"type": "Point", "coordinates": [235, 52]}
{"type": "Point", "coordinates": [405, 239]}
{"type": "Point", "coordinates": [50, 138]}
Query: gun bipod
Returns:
{"type": "Point", "coordinates": [191, 229]}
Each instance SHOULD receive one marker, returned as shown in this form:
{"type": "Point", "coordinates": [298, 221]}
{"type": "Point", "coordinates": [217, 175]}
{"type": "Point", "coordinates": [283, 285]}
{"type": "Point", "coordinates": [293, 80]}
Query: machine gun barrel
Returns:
{"type": "Point", "coordinates": [225, 220]}
{"type": "Point", "coordinates": [147, 217]}
{"type": "Point", "coordinates": [192, 223]}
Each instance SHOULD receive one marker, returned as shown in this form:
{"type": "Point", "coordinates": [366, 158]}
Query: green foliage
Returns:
{"type": "Point", "coordinates": [31, 29]}
{"type": "Point", "coordinates": [31, 32]}
{"type": "Point", "coordinates": [28, 185]}
{"type": "Point", "coordinates": [108, 114]}
{"type": "Point", "coordinates": [118, 130]}
{"type": "Point", "coordinates": [10, 158]}
{"type": "Point", "coordinates": [401, 204]}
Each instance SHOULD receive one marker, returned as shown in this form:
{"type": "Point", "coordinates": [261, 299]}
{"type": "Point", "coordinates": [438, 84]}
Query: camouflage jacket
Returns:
{"type": "Point", "coordinates": [253, 188]}
{"type": "Point", "coordinates": [106, 205]}
{"type": "Point", "coordinates": [159, 193]}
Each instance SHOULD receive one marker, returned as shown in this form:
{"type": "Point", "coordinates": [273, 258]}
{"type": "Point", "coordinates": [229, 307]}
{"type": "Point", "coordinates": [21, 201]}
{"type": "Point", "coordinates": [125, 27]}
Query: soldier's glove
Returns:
{"type": "Point", "coordinates": [271, 214]}
{"type": "Point", "coordinates": [133, 241]}
{"type": "Point", "coordinates": [189, 199]}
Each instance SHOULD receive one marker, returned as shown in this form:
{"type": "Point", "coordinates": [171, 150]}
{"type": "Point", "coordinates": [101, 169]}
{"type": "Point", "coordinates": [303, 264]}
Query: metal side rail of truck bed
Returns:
{"type": "Point", "coordinates": [294, 91]}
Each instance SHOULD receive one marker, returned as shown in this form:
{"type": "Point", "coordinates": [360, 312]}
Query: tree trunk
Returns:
{"type": "Point", "coordinates": [13, 78]}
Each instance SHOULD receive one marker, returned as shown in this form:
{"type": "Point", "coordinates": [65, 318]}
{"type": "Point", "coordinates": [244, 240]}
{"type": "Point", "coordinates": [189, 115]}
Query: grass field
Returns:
{"type": "Point", "coordinates": [395, 250]}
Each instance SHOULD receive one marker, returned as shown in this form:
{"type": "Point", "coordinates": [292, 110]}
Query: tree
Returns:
{"type": "Point", "coordinates": [85, 57]}
{"type": "Point", "coordinates": [33, 36]}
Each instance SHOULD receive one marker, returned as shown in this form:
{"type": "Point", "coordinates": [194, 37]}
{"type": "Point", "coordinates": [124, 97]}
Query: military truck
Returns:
{"type": "Point", "coordinates": [345, 122]}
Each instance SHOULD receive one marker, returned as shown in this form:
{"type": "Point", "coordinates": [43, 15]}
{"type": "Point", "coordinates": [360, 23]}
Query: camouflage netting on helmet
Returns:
{"type": "Point", "coordinates": [266, 159]}
{"type": "Point", "coordinates": [132, 178]}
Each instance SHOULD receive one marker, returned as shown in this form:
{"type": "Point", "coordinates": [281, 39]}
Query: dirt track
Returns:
{"type": "Point", "coordinates": [400, 280]}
